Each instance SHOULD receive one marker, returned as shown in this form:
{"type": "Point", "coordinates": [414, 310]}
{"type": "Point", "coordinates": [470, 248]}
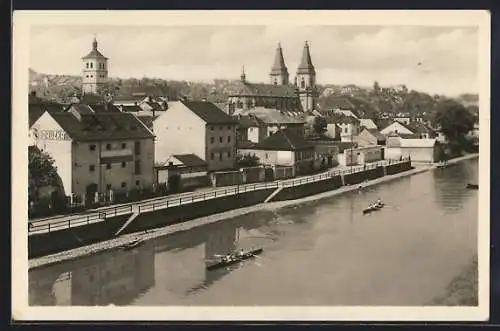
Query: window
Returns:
{"type": "Point", "coordinates": [124, 145]}
{"type": "Point", "coordinates": [228, 139]}
{"type": "Point", "coordinates": [251, 129]}
{"type": "Point", "coordinates": [137, 182]}
{"type": "Point", "coordinates": [229, 127]}
{"type": "Point", "coordinates": [91, 76]}
{"type": "Point", "coordinates": [137, 148]}
{"type": "Point", "coordinates": [211, 156]}
{"type": "Point", "coordinates": [124, 185]}
{"type": "Point", "coordinates": [87, 65]}
{"type": "Point", "coordinates": [211, 128]}
{"type": "Point", "coordinates": [87, 76]}
{"type": "Point", "coordinates": [108, 187]}
{"type": "Point", "coordinates": [92, 147]}
{"type": "Point", "coordinates": [303, 83]}
{"type": "Point", "coordinates": [212, 140]}
{"type": "Point", "coordinates": [138, 167]}
{"type": "Point", "coordinates": [220, 139]}
{"type": "Point", "coordinates": [91, 168]}
{"type": "Point", "coordinates": [275, 82]}
{"type": "Point", "coordinates": [267, 156]}
{"type": "Point", "coordinates": [91, 65]}
{"type": "Point", "coordinates": [124, 164]}
{"type": "Point", "coordinates": [108, 166]}
{"type": "Point", "coordinates": [228, 154]}
{"type": "Point", "coordinates": [220, 156]}
{"type": "Point", "coordinates": [108, 146]}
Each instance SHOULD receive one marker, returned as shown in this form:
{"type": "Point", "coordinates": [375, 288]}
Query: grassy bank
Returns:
{"type": "Point", "coordinates": [462, 290]}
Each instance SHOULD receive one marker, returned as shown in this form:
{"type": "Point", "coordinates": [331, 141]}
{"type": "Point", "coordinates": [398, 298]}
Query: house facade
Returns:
{"type": "Point", "coordinates": [418, 150]}
{"type": "Point", "coordinates": [97, 152]}
{"type": "Point", "coordinates": [370, 137]}
{"type": "Point", "coordinates": [284, 149]}
{"type": "Point", "coordinates": [197, 127]}
{"type": "Point", "coordinates": [345, 126]}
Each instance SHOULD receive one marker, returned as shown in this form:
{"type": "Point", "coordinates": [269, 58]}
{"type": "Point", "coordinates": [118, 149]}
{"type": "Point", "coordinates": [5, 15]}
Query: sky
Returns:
{"type": "Point", "coordinates": [341, 54]}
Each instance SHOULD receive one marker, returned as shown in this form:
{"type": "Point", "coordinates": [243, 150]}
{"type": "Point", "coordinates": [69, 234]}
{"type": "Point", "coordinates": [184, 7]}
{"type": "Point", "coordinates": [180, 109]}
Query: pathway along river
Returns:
{"type": "Point", "coordinates": [323, 252]}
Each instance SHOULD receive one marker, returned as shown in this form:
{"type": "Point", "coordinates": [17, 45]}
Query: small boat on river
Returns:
{"type": "Point", "coordinates": [132, 245]}
{"type": "Point", "coordinates": [473, 186]}
{"type": "Point", "coordinates": [227, 260]}
{"type": "Point", "coordinates": [374, 207]}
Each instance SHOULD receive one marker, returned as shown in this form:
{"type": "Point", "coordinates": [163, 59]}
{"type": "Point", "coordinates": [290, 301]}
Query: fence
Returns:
{"type": "Point", "coordinates": [49, 225]}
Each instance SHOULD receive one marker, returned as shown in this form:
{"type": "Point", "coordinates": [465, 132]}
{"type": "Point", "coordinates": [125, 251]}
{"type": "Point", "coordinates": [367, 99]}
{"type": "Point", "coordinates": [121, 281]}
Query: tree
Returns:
{"type": "Point", "coordinates": [41, 170]}
{"type": "Point", "coordinates": [319, 125]}
{"type": "Point", "coordinates": [247, 160]}
{"type": "Point", "coordinates": [455, 122]}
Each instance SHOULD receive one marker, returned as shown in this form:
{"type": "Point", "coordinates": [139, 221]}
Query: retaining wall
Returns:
{"type": "Point", "coordinates": [62, 240]}
{"type": "Point", "coordinates": [398, 167]}
{"type": "Point", "coordinates": [297, 192]}
{"type": "Point", "coordinates": [194, 210]}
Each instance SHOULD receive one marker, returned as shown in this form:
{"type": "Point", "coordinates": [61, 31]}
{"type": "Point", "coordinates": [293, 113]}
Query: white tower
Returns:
{"type": "Point", "coordinates": [95, 71]}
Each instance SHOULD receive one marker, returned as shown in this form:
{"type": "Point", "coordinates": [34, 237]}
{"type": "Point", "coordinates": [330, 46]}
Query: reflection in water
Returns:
{"type": "Point", "coordinates": [117, 279]}
{"type": "Point", "coordinates": [353, 259]}
{"type": "Point", "coordinates": [450, 184]}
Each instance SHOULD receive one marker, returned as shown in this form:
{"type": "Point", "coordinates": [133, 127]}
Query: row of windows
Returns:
{"type": "Point", "coordinates": [123, 185]}
{"type": "Point", "coordinates": [92, 76]}
{"type": "Point", "coordinates": [91, 65]}
{"type": "Point", "coordinates": [137, 147]}
{"type": "Point", "coordinates": [123, 165]}
{"type": "Point", "coordinates": [212, 139]}
{"type": "Point", "coordinates": [220, 128]}
{"type": "Point", "coordinates": [212, 156]}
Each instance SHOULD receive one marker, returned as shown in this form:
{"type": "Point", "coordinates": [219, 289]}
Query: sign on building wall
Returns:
{"type": "Point", "coordinates": [50, 134]}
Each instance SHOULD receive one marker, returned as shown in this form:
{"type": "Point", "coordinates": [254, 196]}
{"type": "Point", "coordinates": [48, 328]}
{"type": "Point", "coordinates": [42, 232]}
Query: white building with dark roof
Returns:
{"type": "Point", "coordinates": [197, 127]}
{"type": "Point", "coordinates": [96, 152]}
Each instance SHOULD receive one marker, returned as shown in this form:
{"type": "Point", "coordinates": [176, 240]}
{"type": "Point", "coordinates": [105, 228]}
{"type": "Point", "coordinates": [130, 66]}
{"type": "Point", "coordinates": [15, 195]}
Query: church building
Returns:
{"type": "Point", "coordinates": [279, 93]}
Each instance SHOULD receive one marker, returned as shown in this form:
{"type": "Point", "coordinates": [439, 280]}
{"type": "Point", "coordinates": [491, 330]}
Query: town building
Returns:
{"type": "Point", "coordinates": [196, 127]}
{"type": "Point", "coordinates": [370, 137]}
{"type": "Point", "coordinates": [421, 130]}
{"type": "Point", "coordinates": [250, 128]}
{"type": "Point", "coordinates": [345, 126]}
{"type": "Point", "coordinates": [284, 149]}
{"type": "Point", "coordinates": [397, 128]}
{"type": "Point", "coordinates": [182, 172]}
{"type": "Point", "coordinates": [95, 71]}
{"type": "Point", "coordinates": [279, 93]}
{"type": "Point", "coordinates": [367, 123]}
{"type": "Point", "coordinates": [418, 150]}
{"type": "Point", "coordinates": [97, 152]}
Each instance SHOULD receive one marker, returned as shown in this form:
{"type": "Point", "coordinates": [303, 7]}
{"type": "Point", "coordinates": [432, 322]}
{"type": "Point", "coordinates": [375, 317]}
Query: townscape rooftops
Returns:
{"type": "Point", "coordinates": [376, 133]}
{"type": "Point", "coordinates": [37, 109]}
{"type": "Point", "coordinates": [284, 140]}
{"type": "Point", "coordinates": [341, 103]}
{"type": "Point", "coordinates": [419, 127]}
{"type": "Point", "coordinates": [260, 90]}
{"type": "Point", "coordinates": [209, 112]}
{"type": "Point", "coordinates": [367, 123]}
{"type": "Point", "coordinates": [147, 120]}
{"type": "Point", "coordinates": [340, 118]}
{"type": "Point", "coordinates": [248, 121]}
{"type": "Point", "coordinates": [131, 108]}
{"type": "Point", "coordinates": [102, 126]}
{"type": "Point", "coordinates": [94, 54]}
{"type": "Point", "coordinates": [274, 116]}
{"type": "Point", "coordinates": [190, 160]}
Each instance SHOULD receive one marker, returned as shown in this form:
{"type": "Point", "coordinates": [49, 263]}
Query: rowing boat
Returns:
{"type": "Point", "coordinates": [373, 208]}
{"type": "Point", "coordinates": [233, 258]}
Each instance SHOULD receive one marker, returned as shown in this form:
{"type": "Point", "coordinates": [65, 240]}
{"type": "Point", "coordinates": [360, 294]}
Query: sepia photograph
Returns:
{"type": "Point", "coordinates": [251, 165]}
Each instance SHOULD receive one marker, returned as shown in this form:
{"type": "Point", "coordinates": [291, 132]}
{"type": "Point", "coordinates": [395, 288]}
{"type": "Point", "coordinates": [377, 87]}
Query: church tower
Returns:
{"type": "Point", "coordinates": [279, 72]}
{"type": "Point", "coordinates": [95, 71]}
{"type": "Point", "coordinates": [305, 81]}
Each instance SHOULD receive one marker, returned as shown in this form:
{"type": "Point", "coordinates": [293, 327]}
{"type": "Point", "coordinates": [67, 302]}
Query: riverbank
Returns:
{"type": "Point", "coordinates": [187, 225]}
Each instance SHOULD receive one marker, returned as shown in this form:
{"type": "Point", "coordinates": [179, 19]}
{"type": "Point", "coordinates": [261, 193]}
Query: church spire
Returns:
{"type": "Point", "coordinates": [306, 65]}
{"type": "Point", "coordinates": [243, 76]}
{"type": "Point", "coordinates": [279, 72]}
{"type": "Point", "coordinates": [94, 43]}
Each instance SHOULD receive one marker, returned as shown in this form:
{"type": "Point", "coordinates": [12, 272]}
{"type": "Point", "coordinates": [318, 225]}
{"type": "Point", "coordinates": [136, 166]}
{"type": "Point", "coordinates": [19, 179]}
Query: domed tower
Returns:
{"type": "Point", "coordinates": [305, 81]}
{"type": "Point", "coordinates": [95, 71]}
{"type": "Point", "coordinates": [279, 72]}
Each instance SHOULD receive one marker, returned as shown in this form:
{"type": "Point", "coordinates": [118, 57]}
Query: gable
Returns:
{"type": "Point", "coordinates": [396, 127]}
{"type": "Point", "coordinates": [177, 113]}
{"type": "Point", "coordinates": [47, 128]}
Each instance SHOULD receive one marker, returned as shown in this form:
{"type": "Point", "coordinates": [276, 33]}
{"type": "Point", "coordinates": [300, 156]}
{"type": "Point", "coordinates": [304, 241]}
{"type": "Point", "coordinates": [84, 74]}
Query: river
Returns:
{"type": "Point", "coordinates": [323, 252]}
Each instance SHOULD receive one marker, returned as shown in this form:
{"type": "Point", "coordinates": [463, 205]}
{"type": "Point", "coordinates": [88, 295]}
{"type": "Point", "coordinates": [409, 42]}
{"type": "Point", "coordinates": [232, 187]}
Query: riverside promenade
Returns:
{"type": "Point", "coordinates": [56, 223]}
